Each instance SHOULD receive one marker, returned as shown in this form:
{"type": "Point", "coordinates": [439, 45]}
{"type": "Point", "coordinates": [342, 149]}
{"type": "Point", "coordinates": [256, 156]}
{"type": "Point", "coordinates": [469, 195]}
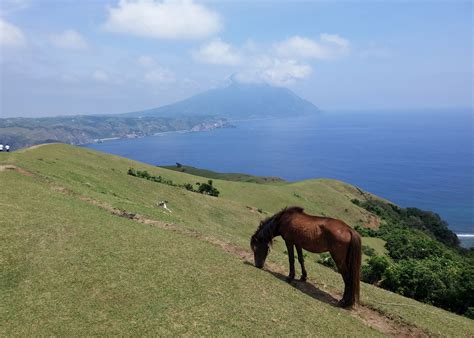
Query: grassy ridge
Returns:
{"type": "Point", "coordinates": [69, 267]}
{"type": "Point", "coordinates": [224, 176]}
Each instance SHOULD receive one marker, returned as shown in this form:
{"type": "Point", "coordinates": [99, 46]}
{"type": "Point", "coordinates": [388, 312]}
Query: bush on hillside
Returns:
{"type": "Point", "coordinates": [428, 264]}
{"type": "Point", "coordinates": [208, 189]}
{"type": "Point", "coordinates": [412, 218]}
{"type": "Point", "coordinates": [204, 188]}
{"type": "Point", "coordinates": [326, 260]}
{"type": "Point", "coordinates": [366, 232]}
{"type": "Point", "coordinates": [375, 269]}
{"type": "Point", "coordinates": [368, 251]}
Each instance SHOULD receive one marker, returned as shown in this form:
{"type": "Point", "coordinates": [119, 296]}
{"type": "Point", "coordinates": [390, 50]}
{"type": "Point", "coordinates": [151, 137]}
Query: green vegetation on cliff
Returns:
{"type": "Point", "coordinates": [426, 261]}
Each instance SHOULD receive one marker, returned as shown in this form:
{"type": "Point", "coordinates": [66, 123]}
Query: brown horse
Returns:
{"type": "Point", "coordinates": [315, 234]}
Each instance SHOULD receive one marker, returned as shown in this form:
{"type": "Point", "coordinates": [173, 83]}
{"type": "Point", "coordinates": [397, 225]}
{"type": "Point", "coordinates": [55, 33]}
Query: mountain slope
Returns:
{"type": "Point", "coordinates": [238, 101]}
{"type": "Point", "coordinates": [72, 265]}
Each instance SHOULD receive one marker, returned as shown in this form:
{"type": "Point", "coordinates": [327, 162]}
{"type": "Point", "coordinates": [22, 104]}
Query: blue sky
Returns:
{"type": "Point", "coordinates": [83, 57]}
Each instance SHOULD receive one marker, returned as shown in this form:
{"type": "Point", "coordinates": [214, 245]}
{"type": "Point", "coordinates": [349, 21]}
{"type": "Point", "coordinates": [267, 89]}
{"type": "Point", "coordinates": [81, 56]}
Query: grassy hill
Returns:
{"type": "Point", "coordinates": [224, 176]}
{"type": "Point", "coordinates": [85, 249]}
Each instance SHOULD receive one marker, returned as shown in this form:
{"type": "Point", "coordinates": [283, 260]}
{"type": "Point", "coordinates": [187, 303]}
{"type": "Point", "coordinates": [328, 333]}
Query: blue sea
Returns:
{"type": "Point", "coordinates": [423, 159]}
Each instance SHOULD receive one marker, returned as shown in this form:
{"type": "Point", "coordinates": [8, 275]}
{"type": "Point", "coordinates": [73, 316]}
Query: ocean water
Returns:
{"type": "Point", "coordinates": [421, 159]}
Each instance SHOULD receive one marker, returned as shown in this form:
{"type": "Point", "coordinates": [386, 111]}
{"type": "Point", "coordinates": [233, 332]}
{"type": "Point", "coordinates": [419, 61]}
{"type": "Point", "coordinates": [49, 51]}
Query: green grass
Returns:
{"type": "Point", "coordinates": [224, 176]}
{"type": "Point", "coordinates": [69, 267]}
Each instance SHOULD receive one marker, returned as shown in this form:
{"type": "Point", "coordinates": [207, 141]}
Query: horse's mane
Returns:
{"type": "Point", "coordinates": [268, 226]}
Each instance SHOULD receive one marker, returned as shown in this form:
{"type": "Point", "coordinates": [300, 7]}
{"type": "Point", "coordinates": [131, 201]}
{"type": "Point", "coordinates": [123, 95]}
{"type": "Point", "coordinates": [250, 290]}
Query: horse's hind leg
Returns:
{"type": "Point", "coordinates": [299, 250]}
{"type": "Point", "coordinates": [340, 260]}
{"type": "Point", "coordinates": [291, 260]}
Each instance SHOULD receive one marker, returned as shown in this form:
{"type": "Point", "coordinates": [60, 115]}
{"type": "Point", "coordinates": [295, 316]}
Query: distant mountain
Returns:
{"type": "Point", "coordinates": [238, 101]}
{"type": "Point", "coordinates": [209, 110]}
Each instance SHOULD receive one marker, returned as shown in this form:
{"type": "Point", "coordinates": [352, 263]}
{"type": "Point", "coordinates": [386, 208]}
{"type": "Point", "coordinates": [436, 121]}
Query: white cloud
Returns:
{"type": "Point", "coordinates": [100, 76]}
{"type": "Point", "coordinates": [154, 73]}
{"type": "Point", "coordinates": [169, 19]}
{"type": "Point", "coordinates": [274, 71]}
{"type": "Point", "coordinates": [284, 72]}
{"type": "Point", "coordinates": [297, 46]}
{"type": "Point", "coordinates": [11, 35]}
{"type": "Point", "coordinates": [335, 39]}
{"type": "Point", "coordinates": [217, 52]}
{"type": "Point", "coordinates": [69, 39]}
{"type": "Point", "coordinates": [329, 46]}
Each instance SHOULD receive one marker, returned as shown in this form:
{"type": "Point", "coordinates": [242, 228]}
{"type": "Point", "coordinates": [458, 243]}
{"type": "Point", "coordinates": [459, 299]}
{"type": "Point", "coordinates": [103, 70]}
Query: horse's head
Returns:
{"type": "Point", "coordinates": [260, 251]}
{"type": "Point", "coordinates": [260, 244]}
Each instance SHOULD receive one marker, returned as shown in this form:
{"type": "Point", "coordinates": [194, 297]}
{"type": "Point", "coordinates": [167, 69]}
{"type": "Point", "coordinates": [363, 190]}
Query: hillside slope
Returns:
{"type": "Point", "coordinates": [87, 250]}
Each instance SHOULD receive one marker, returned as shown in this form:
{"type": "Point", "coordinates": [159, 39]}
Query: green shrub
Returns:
{"type": "Point", "coordinates": [375, 269]}
{"type": "Point", "coordinates": [188, 186]}
{"type": "Point", "coordinates": [326, 260]}
{"type": "Point", "coordinates": [204, 188]}
{"type": "Point", "coordinates": [208, 189]}
{"type": "Point", "coordinates": [368, 251]}
{"type": "Point", "coordinates": [355, 201]}
{"type": "Point", "coordinates": [366, 232]}
{"type": "Point", "coordinates": [404, 244]}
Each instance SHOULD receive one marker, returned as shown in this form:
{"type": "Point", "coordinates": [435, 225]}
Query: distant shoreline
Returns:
{"type": "Point", "coordinates": [161, 133]}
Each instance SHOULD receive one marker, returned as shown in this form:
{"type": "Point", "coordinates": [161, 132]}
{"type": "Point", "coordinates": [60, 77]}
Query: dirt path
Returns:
{"type": "Point", "coordinates": [11, 167]}
{"type": "Point", "coordinates": [318, 291]}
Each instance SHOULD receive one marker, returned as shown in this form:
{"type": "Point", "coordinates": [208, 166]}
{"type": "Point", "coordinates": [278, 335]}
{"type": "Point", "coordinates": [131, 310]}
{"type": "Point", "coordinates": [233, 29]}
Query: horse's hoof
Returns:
{"type": "Point", "coordinates": [303, 279]}
{"type": "Point", "coordinates": [289, 279]}
{"type": "Point", "coordinates": [344, 304]}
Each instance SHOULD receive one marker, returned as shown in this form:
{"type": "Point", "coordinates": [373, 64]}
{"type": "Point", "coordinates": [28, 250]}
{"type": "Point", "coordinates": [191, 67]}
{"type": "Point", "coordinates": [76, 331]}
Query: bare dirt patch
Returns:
{"type": "Point", "coordinates": [372, 222]}
{"type": "Point", "coordinates": [11, 167]}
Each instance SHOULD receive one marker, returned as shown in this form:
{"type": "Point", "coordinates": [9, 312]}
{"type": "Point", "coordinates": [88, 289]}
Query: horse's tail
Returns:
{"type": "Point", "coordinates": [354, 255]}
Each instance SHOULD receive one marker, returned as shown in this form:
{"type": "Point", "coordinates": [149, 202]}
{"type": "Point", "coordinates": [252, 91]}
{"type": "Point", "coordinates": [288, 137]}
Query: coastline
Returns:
{"type": "Point", "coordinates": [466, 240]}
{"type": "Point", "coordinates": [465, 235]}
{"type": "Point", "coordinates": [161, 133]}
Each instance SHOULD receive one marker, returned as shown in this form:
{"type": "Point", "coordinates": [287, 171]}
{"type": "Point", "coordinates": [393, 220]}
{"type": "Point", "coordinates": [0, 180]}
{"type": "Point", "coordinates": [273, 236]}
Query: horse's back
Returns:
{"type": "Point", "coordinates": [315, 233]}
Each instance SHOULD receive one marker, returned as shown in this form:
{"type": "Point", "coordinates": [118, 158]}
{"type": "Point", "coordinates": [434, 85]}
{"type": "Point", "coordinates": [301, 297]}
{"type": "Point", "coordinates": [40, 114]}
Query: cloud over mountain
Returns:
{"type": "Point", "coordinates": [327, 47]}
{"type": "Point", "coordinates": [279, 63]}
{"type": "Point", "coordinates": [217, 52]}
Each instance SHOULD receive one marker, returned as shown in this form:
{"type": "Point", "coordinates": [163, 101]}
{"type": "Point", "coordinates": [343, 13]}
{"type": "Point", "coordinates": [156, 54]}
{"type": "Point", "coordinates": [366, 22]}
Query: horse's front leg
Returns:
{"type": "Point", "coordinates": [291, 259]}
{"type": "Point", "coordinates": [299, 250]}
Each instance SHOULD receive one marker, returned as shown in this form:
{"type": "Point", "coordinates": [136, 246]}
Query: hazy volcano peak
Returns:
{"type": "Point", "coordinates": [238, 100]}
